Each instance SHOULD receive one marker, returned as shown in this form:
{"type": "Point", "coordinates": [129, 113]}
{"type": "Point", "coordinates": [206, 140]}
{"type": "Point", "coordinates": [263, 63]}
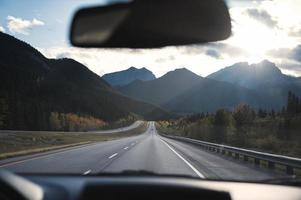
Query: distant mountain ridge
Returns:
{"type": "Point", "coordinates": [127, 76]}
{"type": "Point", "coordinates": [251, 76]}
{"type": "Point", "coordinates": [260, 85]}
{"type": "Point", "coordinates": [32, 86]}
{"type": "Point", "coordinates": [182, 91]}
{"type": "Point", "coordinates": [265, 78]}
{"type": "Point", "coordinates": [159, 91]}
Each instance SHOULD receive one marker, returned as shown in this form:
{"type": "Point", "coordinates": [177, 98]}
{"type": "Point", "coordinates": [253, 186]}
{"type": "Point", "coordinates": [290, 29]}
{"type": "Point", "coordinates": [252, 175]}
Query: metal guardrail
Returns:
{"type": "Point", "coordinates": [290, 163]}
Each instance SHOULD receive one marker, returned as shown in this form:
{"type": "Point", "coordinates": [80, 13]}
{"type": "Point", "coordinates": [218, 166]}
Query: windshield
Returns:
{"type": "Point", "coordinates": [227, 110]}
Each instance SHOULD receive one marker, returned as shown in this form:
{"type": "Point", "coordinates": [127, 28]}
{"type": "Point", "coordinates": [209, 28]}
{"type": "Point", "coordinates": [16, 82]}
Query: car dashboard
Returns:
{"type": "Point", "coordinates": [72, 187]}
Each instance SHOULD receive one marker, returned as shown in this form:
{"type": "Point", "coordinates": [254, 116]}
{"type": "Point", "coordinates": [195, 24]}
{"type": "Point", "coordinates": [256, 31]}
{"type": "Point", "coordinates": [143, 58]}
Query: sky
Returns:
{"type": "Point", "coordinates": [261, 29]}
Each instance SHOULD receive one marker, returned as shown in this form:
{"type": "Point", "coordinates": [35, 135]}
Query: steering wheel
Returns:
{"type": "Point", "coordinates": [13, 187]}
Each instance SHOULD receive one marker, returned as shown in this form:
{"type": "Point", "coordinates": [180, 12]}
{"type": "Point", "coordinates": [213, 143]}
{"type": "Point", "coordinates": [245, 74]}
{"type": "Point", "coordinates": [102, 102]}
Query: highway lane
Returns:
{"type": "Point", "coordinates": [148, 151]}
{"type": "Point", "coordinates": [117, 130]}
{"type": "Point", "coordinates": [155, 155]}
{"type": "Point", "coordinates": [74, 160]}
{"type": "Point", "coordinates": [216, 166]}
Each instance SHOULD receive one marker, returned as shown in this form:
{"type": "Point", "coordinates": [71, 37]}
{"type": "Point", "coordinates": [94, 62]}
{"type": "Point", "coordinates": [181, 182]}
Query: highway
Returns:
{"type": "Point", "coordinates": [147, 151]}
{"type": "Point", "coordinates": [117, 130]}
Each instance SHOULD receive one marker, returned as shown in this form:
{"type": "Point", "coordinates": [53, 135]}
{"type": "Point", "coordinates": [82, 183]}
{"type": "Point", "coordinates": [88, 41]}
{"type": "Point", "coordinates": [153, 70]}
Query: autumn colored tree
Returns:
{"type": "Point", "coordinates": [74, 122]}
{"type": "Point", "coordinates": [55, 122]}
{"type": "Point", "coordinates": [244, 116]}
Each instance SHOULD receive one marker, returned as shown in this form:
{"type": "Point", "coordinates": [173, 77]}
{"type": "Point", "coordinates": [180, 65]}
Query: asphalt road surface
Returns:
{"type": "Point", "coordinates": [122, 129]}
{"type": "Point", "coordinates": [147, 151]}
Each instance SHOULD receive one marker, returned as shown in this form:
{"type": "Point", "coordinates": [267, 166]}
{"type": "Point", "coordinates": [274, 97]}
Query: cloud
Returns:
{"type": "Point", "coordinates": [21, 26]}
{"type": "Point", "coordinates": [2, 29]}
{"type": "Point", "coordinates": [290, 68]}
{"type": "Point", "coordinates": [159, 61]}
{"type": "Point", "coordinates": [228, 49]}
{"type": "Point", "coordinates": [165, 59]}
{"type": "Point", "coordinates": [293, 32]}
{"type": "Point", "coordinates": [293, 54]}
{"type": "Point", "coordinates": [262, 16]}
{"type": "Point", "coordinates": [279, 53]}
{"type": "Point", "coordinates": [216, 50]}
{"type": "Point", "coordinates": [296, 53]}
{"type": "Point", "coordinates": [213, 53]}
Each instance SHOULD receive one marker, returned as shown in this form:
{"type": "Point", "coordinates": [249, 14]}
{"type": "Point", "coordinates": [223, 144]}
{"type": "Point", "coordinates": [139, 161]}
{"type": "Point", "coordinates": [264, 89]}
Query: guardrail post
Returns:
{"type": "Point", "coordinates": [289, 170]}
{"type": "Point", "coordinates": [256, 161]}
{"type": "Point", "coordinates": [271, 165]}
{"type": "Point", "coordinates": [289, 163]}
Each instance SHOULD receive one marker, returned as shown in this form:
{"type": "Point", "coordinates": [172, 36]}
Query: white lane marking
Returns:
{"type": "Point", "coordinates": [125, 148]}
{"type": "Point", "coordinates": [192, 167]}
{"type": "Point", "coordinates": [112, 156]}
{"type": "Point", "coordinates": [133, 144]}
{"type": "Point", "coordinates": [87, 172]}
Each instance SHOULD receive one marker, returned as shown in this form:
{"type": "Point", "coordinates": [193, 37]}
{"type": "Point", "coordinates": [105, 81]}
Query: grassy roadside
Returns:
{"type": "Point", "coordinates": [259, 137]}
{"type": "Point", "coordinates": [192, 133]}
{"type": "Point", "coordinates": [22, 143]}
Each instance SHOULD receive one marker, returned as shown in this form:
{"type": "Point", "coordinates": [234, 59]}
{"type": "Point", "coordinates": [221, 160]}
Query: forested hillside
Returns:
{"type": "Point", "coordinates": [32, 87]}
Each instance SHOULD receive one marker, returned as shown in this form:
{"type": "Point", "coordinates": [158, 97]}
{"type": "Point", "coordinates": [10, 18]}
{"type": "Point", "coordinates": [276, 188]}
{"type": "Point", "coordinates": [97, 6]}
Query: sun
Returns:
{"type": "Point", "coordinates": [255, 41]}
{"type": "Point", "coordinates": [255, 38]}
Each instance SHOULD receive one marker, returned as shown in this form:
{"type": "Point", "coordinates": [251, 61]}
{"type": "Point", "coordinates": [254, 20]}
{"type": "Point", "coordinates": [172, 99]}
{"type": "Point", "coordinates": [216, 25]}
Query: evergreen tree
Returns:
{"type": "Point", "coordinates": [273, 114]}
{"type": "Point", "coordinates": [283, 111]}
{"type": "Point", "coordinates": [293, 104]}
{"type": "Point", "coordinates": [244, 116]}
{"type": "Point", "coordinates": [222, 120]}
{"type": "Point", "coordinates": [289, 106]}
{"type": "Point", "coordinates": [3, 112]}
{"type": "Point", "coordinates": [202, 115]}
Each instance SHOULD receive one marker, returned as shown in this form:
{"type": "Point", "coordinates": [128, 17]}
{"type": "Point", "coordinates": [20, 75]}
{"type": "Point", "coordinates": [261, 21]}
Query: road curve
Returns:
{"type": "Point", "coordinates": [122, 129]}
{"type": "Point", "coordinates": [147, 151]}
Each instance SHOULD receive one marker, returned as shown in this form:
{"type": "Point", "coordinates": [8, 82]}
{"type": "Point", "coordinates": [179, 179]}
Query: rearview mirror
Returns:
{"type": "Point", "coordinates": [151, 24]}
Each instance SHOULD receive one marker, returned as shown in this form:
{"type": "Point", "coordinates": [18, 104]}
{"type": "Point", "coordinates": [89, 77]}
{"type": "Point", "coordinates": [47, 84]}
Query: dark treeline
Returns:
{"type": "Point", "coordinates": [292, 108]}
{"type": "Point", "coordinates": [268, 130]}
{"type": "Point", "coordinates": [33, 88]}
{"type": "Point", "coordinates": [293, 104]}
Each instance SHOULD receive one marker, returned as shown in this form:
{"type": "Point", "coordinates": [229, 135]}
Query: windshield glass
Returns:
{"type": "Point", "coordinates": [222, 110]}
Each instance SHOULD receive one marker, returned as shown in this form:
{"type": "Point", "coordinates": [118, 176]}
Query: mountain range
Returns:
{"type": "Point", "coordinates": [265, 78]}
{"type": "Point", "coordinates": [127, 76]}
{"type": "Point", "coordinates": [254, 76]}
{"type": "Point", "coordinates": [260, 85]}
{"type": "Point", "coordinates": [32, 86]}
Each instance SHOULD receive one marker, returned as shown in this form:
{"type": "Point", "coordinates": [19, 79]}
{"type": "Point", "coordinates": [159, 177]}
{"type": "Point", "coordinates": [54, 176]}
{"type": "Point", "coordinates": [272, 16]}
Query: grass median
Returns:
{"type": "Point", "coordinates": [24, 142]}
